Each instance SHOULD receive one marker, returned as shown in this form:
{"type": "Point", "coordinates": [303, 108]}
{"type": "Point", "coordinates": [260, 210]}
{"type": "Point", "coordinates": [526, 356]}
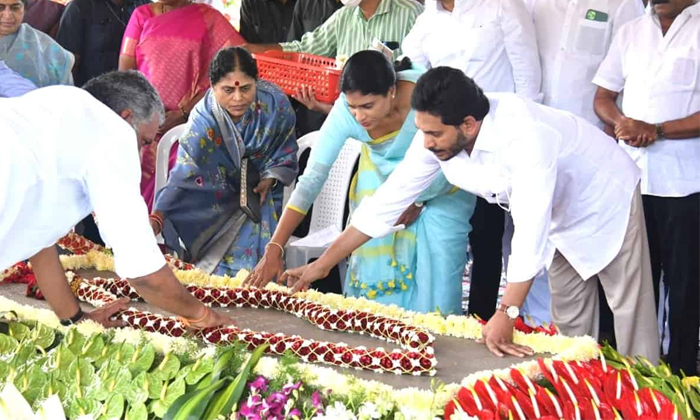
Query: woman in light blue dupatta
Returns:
{"type": "Point", "coordinates": [404, 268]}
{"type": "Point", "coordinates": [33, 54]}
{"type": "Point", "coordinates": [239, 118]}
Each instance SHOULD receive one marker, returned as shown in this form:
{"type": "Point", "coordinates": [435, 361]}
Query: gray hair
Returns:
{"type": "Point", "coordinates": [121, 90]}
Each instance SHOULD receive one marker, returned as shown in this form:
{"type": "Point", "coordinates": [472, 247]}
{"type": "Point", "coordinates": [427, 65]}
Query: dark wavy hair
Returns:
{"type": "Point", "coordinates": [371, 73]}
{"type": "Point", "coordinates": [229, 60]}
{"type": "Point", "coordinates": [449, 94]}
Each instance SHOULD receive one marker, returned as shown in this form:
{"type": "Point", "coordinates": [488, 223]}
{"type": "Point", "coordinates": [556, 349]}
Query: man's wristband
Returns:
{"type": "Point", "coordinates": [74, 319]}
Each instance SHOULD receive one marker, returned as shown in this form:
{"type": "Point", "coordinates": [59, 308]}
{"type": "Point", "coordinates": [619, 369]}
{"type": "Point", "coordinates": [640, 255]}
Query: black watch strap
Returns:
{"type": "Point", "coordinates": [74, 319]}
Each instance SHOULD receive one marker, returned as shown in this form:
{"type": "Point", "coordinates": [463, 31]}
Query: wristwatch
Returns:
{"type": "Point", "coordinates": [659, 131]}
{"type": "Point", "coordinates": [74, 319]}
{"type": "Point", "coordinates": [512, 312]}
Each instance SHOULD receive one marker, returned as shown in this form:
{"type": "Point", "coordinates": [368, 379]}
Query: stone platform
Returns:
{"type": "Point", "coordinates": [456, 357]}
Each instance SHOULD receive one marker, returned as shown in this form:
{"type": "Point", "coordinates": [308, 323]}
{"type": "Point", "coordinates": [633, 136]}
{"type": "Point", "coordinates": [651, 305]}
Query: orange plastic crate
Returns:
{"type": "Point", "coordinates": [290, 71]}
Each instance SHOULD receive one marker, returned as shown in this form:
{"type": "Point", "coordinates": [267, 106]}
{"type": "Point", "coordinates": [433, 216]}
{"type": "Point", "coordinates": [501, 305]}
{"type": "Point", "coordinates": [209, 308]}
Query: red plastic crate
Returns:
{"type": "Point", "coordinates": [290, 71]}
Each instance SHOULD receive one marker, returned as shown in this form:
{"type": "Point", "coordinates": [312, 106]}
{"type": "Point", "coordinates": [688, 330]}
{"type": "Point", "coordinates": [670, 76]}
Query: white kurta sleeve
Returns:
{"type": "Point", "coordinates": [113, 177]}
{"type": "Point", "coordinates": [377, 214]}
{"type": "Point", "coordinates": [521, 47]}
{"type": "Point", "coordinates": [412, 45]}
{"type": "Point", "coordinates": [610, 74]}
{"type": "Point", "coordinates": [534, 177]}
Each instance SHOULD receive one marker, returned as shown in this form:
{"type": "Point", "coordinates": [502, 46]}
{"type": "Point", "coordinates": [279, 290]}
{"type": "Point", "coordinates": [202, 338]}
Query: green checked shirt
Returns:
{"type": "Point", "coordinates": [347, 31]}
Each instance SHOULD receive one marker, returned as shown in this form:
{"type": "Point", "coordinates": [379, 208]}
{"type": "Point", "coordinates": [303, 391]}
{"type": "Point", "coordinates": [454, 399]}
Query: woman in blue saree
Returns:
{"type": "Point", "coordinates": [31, 53]}
{"type": "Point", "coordinates": [240, 118]}
{"type": "Point", "coordinates": [404, 268]}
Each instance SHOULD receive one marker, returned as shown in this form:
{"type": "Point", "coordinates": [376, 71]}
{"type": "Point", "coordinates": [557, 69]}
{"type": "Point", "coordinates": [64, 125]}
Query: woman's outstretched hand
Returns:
{"type": "Point", "coordinates": [299, 279]}
{"type": "Point", "coordinates": [268, 268]}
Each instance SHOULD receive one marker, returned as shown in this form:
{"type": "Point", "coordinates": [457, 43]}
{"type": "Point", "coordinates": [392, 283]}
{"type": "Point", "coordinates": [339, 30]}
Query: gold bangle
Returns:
{"type": "Point", "coordinates": [278, 246]}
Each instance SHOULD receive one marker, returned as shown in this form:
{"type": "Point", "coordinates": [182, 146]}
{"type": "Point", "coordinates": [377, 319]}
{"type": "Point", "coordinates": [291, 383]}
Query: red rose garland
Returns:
{"type": "Point", "coordinates": [413, 361]}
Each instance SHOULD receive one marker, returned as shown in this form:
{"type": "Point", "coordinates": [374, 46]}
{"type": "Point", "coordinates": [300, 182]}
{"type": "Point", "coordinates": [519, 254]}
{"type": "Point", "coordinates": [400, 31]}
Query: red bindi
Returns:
{"type": "Point", "coordinates": [236, 83]}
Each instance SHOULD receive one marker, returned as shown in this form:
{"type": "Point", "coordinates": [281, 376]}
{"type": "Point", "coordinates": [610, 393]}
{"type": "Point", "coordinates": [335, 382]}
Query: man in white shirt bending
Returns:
{"type": "Point", "coordinates": [66, 153]}
{"type": "Point", "coordinates": [655, 62]}
{"type": "Point", "coordinates": [493, 42]}
{"type": "Point", "coordinates": [573, 195]}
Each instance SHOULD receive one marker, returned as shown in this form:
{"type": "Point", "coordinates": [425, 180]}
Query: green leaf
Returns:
{"type": "Point", "coordinates": [22, 354]}
{"type": "Point", "coordinates": [199, 369]}
{"type": "Point", "coordinates": [125, 353]}
{"type": "Point", "coordinates": [683, 406]}
{"type": "Point", "coordinates": [184, 371]}
{"type": "Point", "coordinates": [43, 336]}
{"type": "Point", "coordinates": [7, 344]}
{"type": "Point", "coordinates": [107, 354]}
{"type": "Point", "coordinates": [80, 372]}
{"type": "Point", "coordinates": [113, 408]}
{"type": "Point", "coordinates": [168, 367]}
{"type": "Point", "coordinates": [117, 382]}
{"type": "Point", "coordinates": [84, 407]}
{"type": "Point", "coordinates": [142, 359]}
{"type": "Point", "coordinates": [30, 383]}
{"type": "Point", "coordinates": [135, 395]}
{"type": "Point", "coordinates": [221, 364]}
{"type": "Point", "coordinates": [206, 380]}
{"type": "Point", "coordinates": [19, 331]}
{"type": "Point", "coordinates": [694, 399]}
{"type": "Point", "coordinates": [225, 401]}
{"type": "Point", "coordinates": [60, 359]}
{"type": "Point", "coordinates": [4, 369]}
{"type": "Point", "coordinates": [168, 395]}
{"type": "Point", "coordinates": [53, 387]}
{"type": "Point", "coordinates": [75, 341]}
{"type": "Point", "coordinates": [137, 412]}
{"type": "Point", "coordinates": [191, 406]}
{"type": "Point", "coordinates": [148, 383]}
{"type": "Point", "coordinates": [93, 348]}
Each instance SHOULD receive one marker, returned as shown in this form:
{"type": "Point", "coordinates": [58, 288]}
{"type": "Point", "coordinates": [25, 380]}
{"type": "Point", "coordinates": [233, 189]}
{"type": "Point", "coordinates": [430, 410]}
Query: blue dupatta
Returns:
{"type": "Point", "coordinates": [200, 202]}
{"type": "Point", "coordinates": [37, 57]}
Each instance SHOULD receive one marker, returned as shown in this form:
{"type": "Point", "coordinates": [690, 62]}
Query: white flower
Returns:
{"type": "Point", "coordinates": [337, 411]}
{"type": "Point", "coordinates": [368, 411]}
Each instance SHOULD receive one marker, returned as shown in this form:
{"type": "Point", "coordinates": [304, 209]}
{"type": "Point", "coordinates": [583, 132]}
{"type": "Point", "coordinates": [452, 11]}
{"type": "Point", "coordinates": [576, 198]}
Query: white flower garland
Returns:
{"type": "Point", "coordinates": [567, 348]}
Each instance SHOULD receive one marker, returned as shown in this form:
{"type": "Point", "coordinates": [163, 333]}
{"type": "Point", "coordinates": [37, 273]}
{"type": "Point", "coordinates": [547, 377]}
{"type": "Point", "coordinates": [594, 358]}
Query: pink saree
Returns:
{"type": "Point", "coordinates": [173, 50]}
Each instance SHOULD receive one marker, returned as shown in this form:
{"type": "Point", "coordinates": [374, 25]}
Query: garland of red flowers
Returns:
{"type": "Point", "coordinates": [418, 359]}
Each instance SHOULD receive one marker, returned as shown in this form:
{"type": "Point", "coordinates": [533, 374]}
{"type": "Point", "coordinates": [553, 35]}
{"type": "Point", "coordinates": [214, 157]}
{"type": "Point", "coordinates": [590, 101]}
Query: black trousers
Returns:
{"type": "Point", "coordinates": [673, 227]}
{"type": "Point", "coordinates": [486, 240]}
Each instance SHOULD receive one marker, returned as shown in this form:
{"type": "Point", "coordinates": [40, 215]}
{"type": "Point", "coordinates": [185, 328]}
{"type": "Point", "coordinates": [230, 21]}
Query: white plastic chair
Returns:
{"type": "Point", "coordinates": [162, 158]}
{"type": "Point", "coordinates": [329, 206]}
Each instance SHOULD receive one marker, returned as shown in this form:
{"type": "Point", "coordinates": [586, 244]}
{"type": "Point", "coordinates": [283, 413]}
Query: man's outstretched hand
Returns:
{"type": "Point", "coordinates": [498, 336]}
{"type": "Point", "coordinates": [105, 314]}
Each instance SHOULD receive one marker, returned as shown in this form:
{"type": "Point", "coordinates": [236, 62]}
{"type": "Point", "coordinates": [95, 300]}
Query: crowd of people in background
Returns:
{"type": "Point", "coordinates": [629, 68]}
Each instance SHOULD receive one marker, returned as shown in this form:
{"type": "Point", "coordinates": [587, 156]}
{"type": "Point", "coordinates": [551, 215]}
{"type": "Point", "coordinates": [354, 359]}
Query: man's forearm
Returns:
{"type": "Point", "coordinates": [684, 128]}
{"type": "Point", "coordinates": [516, 293]}
{"type": "Point", "coordinates": [162, 289]}
{"type": "Point", "coordinates": [606, 108]}
{"type": "Point", "coordinates": [51, 279]}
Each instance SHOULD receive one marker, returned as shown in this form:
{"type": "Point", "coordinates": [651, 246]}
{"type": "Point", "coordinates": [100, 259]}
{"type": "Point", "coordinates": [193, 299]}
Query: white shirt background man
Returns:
{"type": "Point", "coordinates": [655, 62]}
{"type": "Point", "coordinates": [572, 193]}
{"type": "Point", "coordinates": [572, 40]}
